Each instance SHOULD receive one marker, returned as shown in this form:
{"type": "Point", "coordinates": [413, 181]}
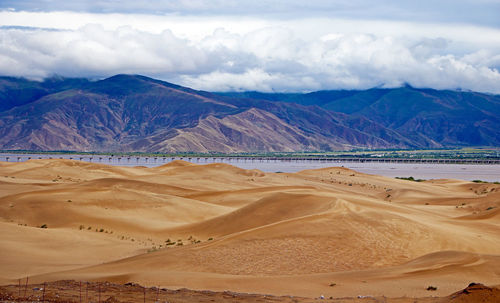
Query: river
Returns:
{"type": "Point", "coordinates": [483, 172]}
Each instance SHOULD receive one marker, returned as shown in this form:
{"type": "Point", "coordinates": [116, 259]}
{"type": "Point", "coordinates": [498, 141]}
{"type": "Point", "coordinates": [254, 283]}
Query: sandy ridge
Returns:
{"type": "Point", "coordinates": [246, 230]}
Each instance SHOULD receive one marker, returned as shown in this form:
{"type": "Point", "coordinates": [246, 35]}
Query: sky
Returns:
{"type": "Point", "coordinates": [269, 46]}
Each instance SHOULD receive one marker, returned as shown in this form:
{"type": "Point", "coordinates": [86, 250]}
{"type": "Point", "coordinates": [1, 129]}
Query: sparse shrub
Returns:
{"type": "Point", "coordinates": [431, 288]}
{"type": "Point", "coordinates": [410, 179]}
{"type": "Point", "coordinates": [333, 284]}
{"type": "Point", "coordinates": [82, 227]}
{"type": "Point", "coordinates": [101, 230]}
{"type": "Point", "coordinates": [69, 201]}
{"type": "Point", "coordinates": [89, 228]}
{"type": "Point", "coordinates": [490, 208]}
{"type": "Point", "coordinates": [210, 239]}
{"type": "Point", "coordinates": [43, 226]}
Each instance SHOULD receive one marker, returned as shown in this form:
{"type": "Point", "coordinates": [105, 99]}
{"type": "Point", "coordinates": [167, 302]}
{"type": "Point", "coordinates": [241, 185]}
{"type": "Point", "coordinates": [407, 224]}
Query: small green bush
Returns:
{"type": "Point", "coordinates": [410, 179]}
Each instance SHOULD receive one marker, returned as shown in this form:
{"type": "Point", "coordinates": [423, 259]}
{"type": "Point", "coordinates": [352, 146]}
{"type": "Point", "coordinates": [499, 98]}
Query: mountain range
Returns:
{"type": "Point", "coordinates": [126, 113]}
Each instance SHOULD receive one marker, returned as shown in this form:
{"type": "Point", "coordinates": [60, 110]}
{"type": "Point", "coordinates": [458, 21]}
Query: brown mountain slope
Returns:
{"type": "Point", "coordinates": [135, 113]}
{"type": "Point", "coordinates": [252, 130]}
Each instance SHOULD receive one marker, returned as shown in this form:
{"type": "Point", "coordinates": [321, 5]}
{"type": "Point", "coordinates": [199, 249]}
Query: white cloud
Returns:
{"type": "Point", "coordinates": [91, 50]}
{"type": "Point", "coordinates": [230, 53]}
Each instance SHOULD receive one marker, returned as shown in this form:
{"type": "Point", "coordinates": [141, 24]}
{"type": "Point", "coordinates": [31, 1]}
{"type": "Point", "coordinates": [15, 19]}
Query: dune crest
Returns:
{"type": "Point", "coordinates": [220, 227]}
{"type": "Point", "coordinates": [175, 163]}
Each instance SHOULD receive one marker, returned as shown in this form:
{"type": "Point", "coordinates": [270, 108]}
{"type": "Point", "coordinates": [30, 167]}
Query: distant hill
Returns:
{"type": "Point", "coordinates": [443, 117]}
{"type": "Point", "coordinates": [19, 91]}
{"type": "Point", "coordinates": [137, 113]}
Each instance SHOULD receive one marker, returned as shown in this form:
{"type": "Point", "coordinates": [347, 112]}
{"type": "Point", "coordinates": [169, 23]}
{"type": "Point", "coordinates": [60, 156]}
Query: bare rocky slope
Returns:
{"type": "Point", "coordinates": [136, 113]}
{"type": "Point", "coordinates": [443, 117]}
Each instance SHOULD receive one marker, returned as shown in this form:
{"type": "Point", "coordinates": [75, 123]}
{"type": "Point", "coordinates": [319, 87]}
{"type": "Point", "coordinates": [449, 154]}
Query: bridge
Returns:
{"type": "Point", "coordinates": [159, 160]}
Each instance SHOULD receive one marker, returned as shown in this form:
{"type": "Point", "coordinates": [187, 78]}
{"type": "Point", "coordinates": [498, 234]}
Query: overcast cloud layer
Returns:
{"type": "Point", "coordinates": [258, 45]}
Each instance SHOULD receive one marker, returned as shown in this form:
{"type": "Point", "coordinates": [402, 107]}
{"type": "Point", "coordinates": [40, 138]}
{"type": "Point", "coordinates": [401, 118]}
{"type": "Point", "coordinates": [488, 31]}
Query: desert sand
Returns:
{"type": "Point", "coordinates": [333, 232]}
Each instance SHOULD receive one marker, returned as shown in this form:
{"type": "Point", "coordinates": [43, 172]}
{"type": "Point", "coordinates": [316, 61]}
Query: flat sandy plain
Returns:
{"type": "Point", "coordinates": [333, 231]}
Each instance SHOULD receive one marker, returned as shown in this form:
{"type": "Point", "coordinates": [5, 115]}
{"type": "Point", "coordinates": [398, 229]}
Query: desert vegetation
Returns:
{"type": "Point", "coordinates": [343, 232]}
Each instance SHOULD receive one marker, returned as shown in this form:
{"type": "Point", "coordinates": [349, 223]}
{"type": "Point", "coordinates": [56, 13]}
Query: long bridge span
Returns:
{"type": "Point", "coordinates": [159, 160]}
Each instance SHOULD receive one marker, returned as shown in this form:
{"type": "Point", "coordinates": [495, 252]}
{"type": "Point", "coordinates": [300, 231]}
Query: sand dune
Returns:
{"type": "Point", "coordinates": [220, 227]}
